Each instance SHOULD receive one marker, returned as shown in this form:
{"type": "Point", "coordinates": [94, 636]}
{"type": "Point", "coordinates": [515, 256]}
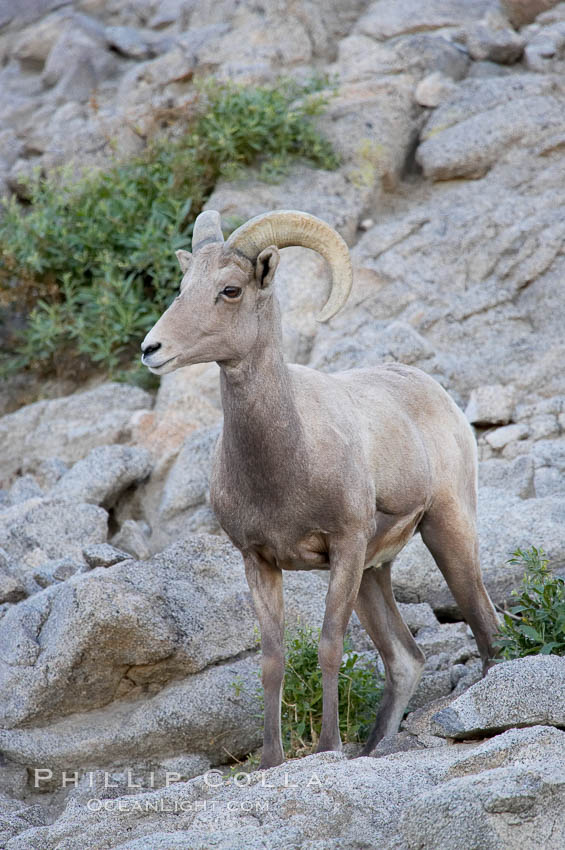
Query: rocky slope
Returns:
{"type": "Point", "coordinates": [126, 618]}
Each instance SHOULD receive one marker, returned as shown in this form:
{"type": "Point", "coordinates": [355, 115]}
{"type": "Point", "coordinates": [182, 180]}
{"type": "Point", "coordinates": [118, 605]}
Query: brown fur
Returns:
{"type": "Point", "coordinates": [331, 471]}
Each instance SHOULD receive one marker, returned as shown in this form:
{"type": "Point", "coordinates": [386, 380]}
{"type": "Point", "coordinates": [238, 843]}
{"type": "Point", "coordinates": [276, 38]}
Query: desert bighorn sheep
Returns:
{"type": "Point", "coordinates": [322, 471]}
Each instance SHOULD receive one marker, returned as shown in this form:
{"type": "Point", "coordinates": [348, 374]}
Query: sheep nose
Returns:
{"type": "Point", "coordinates": [150, 349]}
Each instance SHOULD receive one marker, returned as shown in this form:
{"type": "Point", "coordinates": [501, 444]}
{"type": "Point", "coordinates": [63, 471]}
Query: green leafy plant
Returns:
{"type": "Point", "coordinates": [359, 686]}
{"type": "Point", "coordinates": [93, 259]}
{"type": "Point", "coordinates": [536, 623]}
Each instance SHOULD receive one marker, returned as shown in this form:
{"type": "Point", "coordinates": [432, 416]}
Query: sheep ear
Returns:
{"type": "Point", "coordinates": [266, 266]}
{"type": "Point", "coordinates": [185, 259]}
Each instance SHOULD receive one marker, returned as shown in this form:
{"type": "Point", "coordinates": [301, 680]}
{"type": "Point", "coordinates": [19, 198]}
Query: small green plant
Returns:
{"type": "Point", "coordinates": [359, 687]}
{"type": "Point", "coordinates": [93, 260]}
{"type": "Point", "coordinates": [536, 623]}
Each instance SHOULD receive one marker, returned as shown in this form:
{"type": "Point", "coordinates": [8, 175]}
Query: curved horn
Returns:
{"type": "Point", "coordinates": [291, 227]}
{"type": "Point", "coordinates": [207, 228]}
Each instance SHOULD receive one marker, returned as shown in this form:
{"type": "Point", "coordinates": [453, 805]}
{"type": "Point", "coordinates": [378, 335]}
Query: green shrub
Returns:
{"type": "Point", "coordinates": [94, 260]}
{"type": "Point", "coordinates": [536, 623]}
{"type": "Point", "coordinates": [359, 685]}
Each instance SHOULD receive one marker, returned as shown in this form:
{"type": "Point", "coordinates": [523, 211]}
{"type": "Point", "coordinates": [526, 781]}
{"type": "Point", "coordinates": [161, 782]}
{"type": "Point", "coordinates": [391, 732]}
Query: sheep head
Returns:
{"type": "Point", "coordinates": [217, 313]}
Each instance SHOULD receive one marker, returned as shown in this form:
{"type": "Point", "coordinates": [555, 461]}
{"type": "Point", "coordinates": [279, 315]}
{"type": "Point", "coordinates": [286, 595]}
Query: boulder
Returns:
{"type": "Point", "coordinates": [68, 428]}
{"type": "Point", "coordinates": [373, 125]}
{"type": "Point", "coordinates": [37, 530]}
{"type": "Point", "coordinates": [492, 39]}
{"type": "Point", "coordinates": [524, 692]}
{"type": "Point", "coordinates": [545, 49]}
{"type": "Point", "coordinates": [490, 405]}
{"type": "Point", "coordinates": [515, 477]}
{"type": "Point", "coordinates": [130, 42]}
{"type": "Point", "coordinates": [328, 797]}
{"type": "Point", "coordinates": [469, 133]}
{"type": "Point", "coordinates": [56, 569]}
{"type": "Point", "coordinates": [76, 47]}
{"type": "Point", "coordinates": [11, 590]}
{"type": "Point", "coordinates": [16, 816]}
{"type": "Point", "coordinates": [495, 280]}
{"type": "Point", "coordinates": [213, 713]}
{"type": "Point", "coordinates": [331, 196]}
{"type": "Point", "coordinates": [504, 792]}
{"type": "Point", "coordinates": [549, 460]}
{"type": "Point", "coordinates": [370, 344]}
{"type": "Point", "coordinates": [76, 84]}
{"type": "Point", "coordinates": [389, 18]}
{"type": "Point", "coordinates": [24, 488]}
{"type": "Point", "coordinates": [132, 537]}
{"type": "Point", "coordinates": [188, 482]}
{"type": "Point", "coordinates": [135, 627]}
{"type": "Point", "coordinates": [169, 12]}
{"type": "Point", "coordinates": [411, 57]}
{"type": "Point", "coordinates": [34, 43]}
{"type": "Point", "coordinates": [103, 555]}
{"type": "Point", "coordinates": [103, 475]}
{"type": "Point", "coordinates": [10, 149]}
{"type": "Point", "coordinates": [452, 639]}
{"type": "Point", "coordinates": [433, 89]}
{"type": "Point", "coordinates": [499, 438]}
{"type": "Point", "coordinates": [47, 472]}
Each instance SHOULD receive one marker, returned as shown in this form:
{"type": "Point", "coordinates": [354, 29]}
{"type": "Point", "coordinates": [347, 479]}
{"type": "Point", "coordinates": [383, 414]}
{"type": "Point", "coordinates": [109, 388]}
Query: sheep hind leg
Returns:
{"type": "Point", "coordinates": [451, 537]}
{"type": "Point", "coordinates": [403, 660]}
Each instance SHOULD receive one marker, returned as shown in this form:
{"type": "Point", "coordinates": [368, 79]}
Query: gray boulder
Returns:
{"type": "Point", "coordinates": [68, 428]}
{"type": "Point", "coordinates": [188, 482]}
{"type": "Point", "coordinates": [38, 530]}
{"type": "Point", "coordinates": [504, 792]}
{"type": "Point", "coordinates": [132, 537]}
{"type": "Point", "coordinates": [104, 474]}
{"type": "Point", "coordinates": [491, 405]}
{"type": "Point", "coordinates": [524, 692]}
{"type": "Point", "coordinates": [545, 50]}
{"type": "Point", "coordinates": [135, 627]}
{"type": "Point", "coordinates": [330, 799]}
{"type": "Point", "coordinates": [410, 57]}
{"type": "Point", "coordinates": [24, 488]}
{"type": "Point", "coordinates": [75, 47]}
{"type": "Point", "coordinates": [57, 569]}
{"type": "Point", "coordinates": [330, 196]}
{"type": "Point", "coordinates": [492, 39]}
{"type": "Point", "coordinates": [485, 332]}
{"type": "Point", "coordinates": [549, 460]}
{"type": "Point", "coordinates": [214, 713]}
{"type": "Point", "coordinates": [515, 477]}
{"type": "Point", "coordinates": [33, 44]}
{"type": "Point", "coordinates": [103, 555]}
{"type": "Point", "coordinates": [470, 132]}
{"type": "Point", "coordinates": [384, 20]}
{"type": "Point", "coordinates": [16, 816]}
{"type": "Point", "coordinates": [130, 42]}
{"type": "Point", "coordinates": [44, 674]}
{"type": "Point", "coordinates": [11, 589]}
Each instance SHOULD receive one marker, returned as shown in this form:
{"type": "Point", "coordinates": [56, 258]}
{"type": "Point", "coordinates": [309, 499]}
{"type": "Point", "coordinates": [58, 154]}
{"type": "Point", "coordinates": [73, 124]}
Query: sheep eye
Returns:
{"type": "Point", "coordinates": [232, 292]}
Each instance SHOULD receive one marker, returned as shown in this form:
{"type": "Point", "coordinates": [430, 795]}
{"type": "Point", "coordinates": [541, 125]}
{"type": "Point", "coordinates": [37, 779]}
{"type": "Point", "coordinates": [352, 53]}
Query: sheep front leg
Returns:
{"type": "Point", "coordinates": [346, 569]}
{"type": "Point", "coordinates": [265, 584]}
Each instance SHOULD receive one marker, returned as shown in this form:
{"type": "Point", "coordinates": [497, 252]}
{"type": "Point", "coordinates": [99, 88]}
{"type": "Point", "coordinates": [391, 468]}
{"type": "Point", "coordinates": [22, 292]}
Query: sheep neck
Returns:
{"type": "Point", "coordinates": [262, 428]}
